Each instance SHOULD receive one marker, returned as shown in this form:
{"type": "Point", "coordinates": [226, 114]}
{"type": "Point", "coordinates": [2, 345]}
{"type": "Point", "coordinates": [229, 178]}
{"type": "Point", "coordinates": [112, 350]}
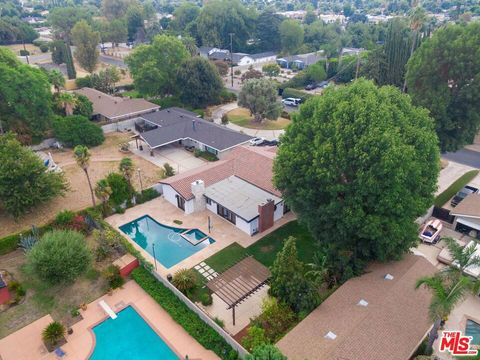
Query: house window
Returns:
{"type": "Point", "coordinates": [180, 202]}
{"type": "Point", "coordinates": [209, 201]}
{"type": "Point", "coordinates": [226, 214]}
{"type": "Point", "coordinates": [211, 150]}
{"type": "Point", "coordinates": [285, 208]}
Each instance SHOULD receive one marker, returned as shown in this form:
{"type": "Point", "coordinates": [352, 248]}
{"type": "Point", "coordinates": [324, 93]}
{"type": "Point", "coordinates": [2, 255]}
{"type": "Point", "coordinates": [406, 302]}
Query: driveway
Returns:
{"type": "Point", "coordinates": [451, 173]}
{"type": "Point", "coordinates": [180, 159]}
{"type": "Point", "coordinates": [464, 156]}
{"type": "Point", "coordinates": [267, 134]}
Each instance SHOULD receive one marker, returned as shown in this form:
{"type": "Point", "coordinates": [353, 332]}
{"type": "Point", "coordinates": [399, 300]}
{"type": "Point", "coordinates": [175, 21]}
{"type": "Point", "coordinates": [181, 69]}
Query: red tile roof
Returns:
{"type": "Point", "coordinates": [252, 164]}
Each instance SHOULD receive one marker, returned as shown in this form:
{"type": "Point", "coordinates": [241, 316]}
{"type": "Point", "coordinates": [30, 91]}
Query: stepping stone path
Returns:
{"type": "Point", "coordinates": [206, 271]}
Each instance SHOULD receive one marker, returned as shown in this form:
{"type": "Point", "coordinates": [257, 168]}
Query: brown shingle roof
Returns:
{"type": "Point", "coordinates": [390, 327]}
{"type": "Point", "coordinates": [252, 164]}
{"type": "Point", "coordinates": [470, 206]}
{"type": "Point", "coordinates": [114, 107]}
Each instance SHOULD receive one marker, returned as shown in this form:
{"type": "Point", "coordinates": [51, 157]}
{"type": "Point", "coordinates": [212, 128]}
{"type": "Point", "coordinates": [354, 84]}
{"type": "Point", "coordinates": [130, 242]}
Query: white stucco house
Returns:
{"type": "Point", "coordinates": [237, 188]}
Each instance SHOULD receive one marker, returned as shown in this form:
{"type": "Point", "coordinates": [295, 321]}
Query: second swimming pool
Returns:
{"type": "Point", "coordinates": [170, 243]}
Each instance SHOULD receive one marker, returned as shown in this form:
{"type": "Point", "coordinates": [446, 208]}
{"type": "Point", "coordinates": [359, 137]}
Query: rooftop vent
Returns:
{"type": "Point", "coordinates": [388, 277]}
{"type": "Point", "coordinates": [330, 335]}
{"type": "Point", "coordinates": [363, 302]}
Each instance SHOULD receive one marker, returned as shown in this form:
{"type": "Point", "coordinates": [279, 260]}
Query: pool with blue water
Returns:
{"type": "Point", "coordinates": [129, 337]}
{"type": "Point", "coordinates": [169, 242]}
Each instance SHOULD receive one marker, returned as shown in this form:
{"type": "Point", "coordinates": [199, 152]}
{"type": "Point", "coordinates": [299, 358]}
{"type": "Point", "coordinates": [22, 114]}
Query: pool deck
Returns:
{"type": "Point", "coordinates": [223, 232]}
{"type": "Point", "coordinates": [26, 344]}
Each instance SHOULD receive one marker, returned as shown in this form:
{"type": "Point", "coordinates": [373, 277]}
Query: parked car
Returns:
{"type": "Point", "coordinates": [462, 194]}
{"type": "Point", "coordinates": [257, 141]}
{"type": "Point", "coordinates": [431, 231]}
{"type": "Point", "coordinates": [273, 142]}
{"type": "Point", "coordinates": [291, 101]}
{"type": "Point", "coordinates": [311, 87]}
{"type": "Point", "coordinates": [323, 84]}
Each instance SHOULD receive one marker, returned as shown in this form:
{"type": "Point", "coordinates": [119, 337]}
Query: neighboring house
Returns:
{"type": "Point", "coordinates": [301, 61]}
{"type": "Point", "coordinates": [239, 59]}
{"type": "Point", "coordinates": [113, 108]}
{"type": "Point", "coordinates": [379, 315]}
{"type": "Point", "coordinates": [175, 125]}
{"type": "Point", "coordinates": [351, 51]}
{"type": "Point", "coordinates": [298, 14]}
{"type": "Point", "coordinates": [467, 215]}
{"type": "Point", "coordinates": [238, 188]}
{"type": "Point", "coordinates": [332, 18]}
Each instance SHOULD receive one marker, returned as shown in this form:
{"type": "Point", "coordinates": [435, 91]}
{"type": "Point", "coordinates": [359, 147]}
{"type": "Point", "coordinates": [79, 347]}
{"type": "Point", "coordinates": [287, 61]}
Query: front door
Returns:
{"type": "Point", "coordinates": [181, 202]}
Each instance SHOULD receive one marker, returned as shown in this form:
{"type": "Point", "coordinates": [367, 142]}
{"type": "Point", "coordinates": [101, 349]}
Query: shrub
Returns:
{"type": "Point", "coordinates": [237, 72]}
{"type": "Point", "coordinates": [53, 333]}
{"type": "Point", "coordinates": [43, 48]}
{"type": "Point", "coordinates": [64, 218]}
{"type": "Point", "coordinates": [27, 241]}
{"type": "Point", "coordinates": [146, 195]}
{"type": "Point", "coordinates": [255, 337]}
{"type": "Point", "coordinates": [206, 299]}
{"type": "Point", "coordinates": [205, 155]}
{"type": "Point", "coordinates": [169, 171]}
{"type": "Point", "coordinates": [17, 288]}
{"type": "Point", "coordinates": [219, 322]}
{"type": "Point", "coordinates": [225, 119]}
{"type": "Point", "coordinates": [266, 351]}
{"type": "Point", "coordinates": [289, 92]}
{"type": "Point", "coordinates": [77, 130]}
{"type": "Point", "coordinates": [9, 243]}
{"type": "Point", "coordinates": [83, 82]}
{"type": "Point", "coordinates": [74, 312]}
{"type": "Point", "coordinates": [24, 52]}
{"type": "Point", "coordinates": [285, 114]}
{"type": "Point", "coordinates": [276, 318]}
{"type": "Point", "coordinates": [60, 256]}
{"type": "Point", "coordinates": [227, 96]}
{"type": "Point", "coordinates": [222, 67]}
{"type": "Point", "coordinates": [112, 274]}
{"type": "Point", "coordinates": [184, 280]}
{"type": "Point", "coordinates": [182, 315]}
{"type": "Point", "coordinates": [121, 189]}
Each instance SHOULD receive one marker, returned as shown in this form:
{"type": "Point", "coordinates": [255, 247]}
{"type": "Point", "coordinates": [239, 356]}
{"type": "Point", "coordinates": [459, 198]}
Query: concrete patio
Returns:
{"type": "Point", "coordinates": [223, 232]}
{"type": "Point", "coordinates": [180, 159]}
{"type": "Point", "coordinates": [26, 344]}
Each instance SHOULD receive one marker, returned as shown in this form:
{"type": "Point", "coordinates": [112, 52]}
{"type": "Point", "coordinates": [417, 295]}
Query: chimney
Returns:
{"type": "Point", "coordinates": [193, 124]}
{"type": "Point", "coordinates": [198, 191]}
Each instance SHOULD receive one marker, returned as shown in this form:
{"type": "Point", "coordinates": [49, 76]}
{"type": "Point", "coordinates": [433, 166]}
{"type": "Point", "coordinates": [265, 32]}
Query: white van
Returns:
{"type": "Point", "coordinates": [291, 101]}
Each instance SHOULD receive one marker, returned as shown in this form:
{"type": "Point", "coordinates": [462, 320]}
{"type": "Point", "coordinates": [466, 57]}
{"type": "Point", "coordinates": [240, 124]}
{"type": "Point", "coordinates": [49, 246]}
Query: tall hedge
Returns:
{"type": "Point", "coordinates": [77, 130]}
{"type": "Point", "coordinates": [71, 72]}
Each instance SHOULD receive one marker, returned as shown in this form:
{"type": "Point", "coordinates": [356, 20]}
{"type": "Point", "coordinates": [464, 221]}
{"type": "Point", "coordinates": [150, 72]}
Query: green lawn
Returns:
{"type": "Point", "coordinates": [242, 117]}
{"type": "Point", "coordinates": [463, 180]}
{"type": "Point", "coordinates": [266, 248]}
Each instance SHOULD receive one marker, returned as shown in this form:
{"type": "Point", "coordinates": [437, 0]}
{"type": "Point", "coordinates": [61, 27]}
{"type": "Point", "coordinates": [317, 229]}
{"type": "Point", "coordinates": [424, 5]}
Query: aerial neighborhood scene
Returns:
{"type": "Point", "coordinates": [239, 179]}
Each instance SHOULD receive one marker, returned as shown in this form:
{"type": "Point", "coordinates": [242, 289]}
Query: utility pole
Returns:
{"type": "Point", "coordinates": [358, 65]}
{"type": "Point", "coordinates": [25, 49]}
{"type": "Point", "coordinates": [231, 56]}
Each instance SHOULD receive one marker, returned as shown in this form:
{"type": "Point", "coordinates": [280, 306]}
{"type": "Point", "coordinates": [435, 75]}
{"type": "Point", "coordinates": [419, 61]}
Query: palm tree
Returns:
{"type": "Point", "coordinates": [417, 19]}
{"type": "Point", "coordinates": [318, 269]}
{"type": "Point", "coordinates": [103, 192]}
{"type": "Point", "coordinates": [450, 285]}
{"type": "Point", "coordinates": [57, 79]}
{"type": "Point", "coordinates": [67, 102]}
{"type": "Point", "coordinates": [126, 168]}
{"type": "Point", "coordinates": [82, 157]}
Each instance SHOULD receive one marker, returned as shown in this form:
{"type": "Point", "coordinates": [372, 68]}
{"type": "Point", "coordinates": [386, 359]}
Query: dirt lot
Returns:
{"type": "Point", "coordinates": [105, 159]}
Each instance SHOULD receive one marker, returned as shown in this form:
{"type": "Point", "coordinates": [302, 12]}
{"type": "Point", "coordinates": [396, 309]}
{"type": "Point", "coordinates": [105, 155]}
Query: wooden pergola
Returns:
{"type": "Point", "coordinates": [240, 281]}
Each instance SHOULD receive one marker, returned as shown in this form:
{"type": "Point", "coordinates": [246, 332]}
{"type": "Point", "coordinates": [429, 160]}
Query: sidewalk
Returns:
{"type": "Point", "coordinates": [267, 134]}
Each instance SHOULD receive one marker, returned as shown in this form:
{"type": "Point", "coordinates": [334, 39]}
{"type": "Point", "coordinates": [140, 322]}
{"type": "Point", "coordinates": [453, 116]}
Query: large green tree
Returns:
{"type": "Point", "coordinates": [115, 9]}
{"type": "Point", "coordinates": [63, 19]}
{"type": "Point", "coordinates": [288, 283]}
{"type": "Point", "coordinates": [86, 41]}
{"type": "Point", "coordinates": [135, 17]}
{"type": "Point", "coordinates": [199, 82]}
{"type": "Point", "coordinates": [24, 181]}
{"type": "Point", "coordinates": [25, 96]}
{"type": "Point", "coordinates": [184, 15]}
{"type": "Point", "coordinates": [219, 18]}
{"type": "Point", "coordinates": [267, 27]}
{"type": "Point", "coordinates": [443, 75]}
{"type": "Point", "coordinates": [154, 67]}
{"type": "Point", "coordinates": [291, 35]}
{"type": "Point", "coordinates": [260, 97]}
{"type": "Point", "coordinates": [358, 165]}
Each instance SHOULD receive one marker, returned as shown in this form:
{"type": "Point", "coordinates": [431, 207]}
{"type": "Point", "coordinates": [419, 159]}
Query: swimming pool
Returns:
{"type": "Point", "coordinates": [129, 337]}
{"type": "Point", "coordinates": [473, 329]}
{"type": "Point", "coordinates": [171, 245]}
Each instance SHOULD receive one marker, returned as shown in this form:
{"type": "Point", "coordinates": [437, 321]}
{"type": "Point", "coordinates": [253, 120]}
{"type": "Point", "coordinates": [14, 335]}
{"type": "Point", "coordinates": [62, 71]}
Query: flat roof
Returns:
{"type": "Point", "coordinates": [176, 124]}
{"type": "Point", "coordinates": [239, 196]}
